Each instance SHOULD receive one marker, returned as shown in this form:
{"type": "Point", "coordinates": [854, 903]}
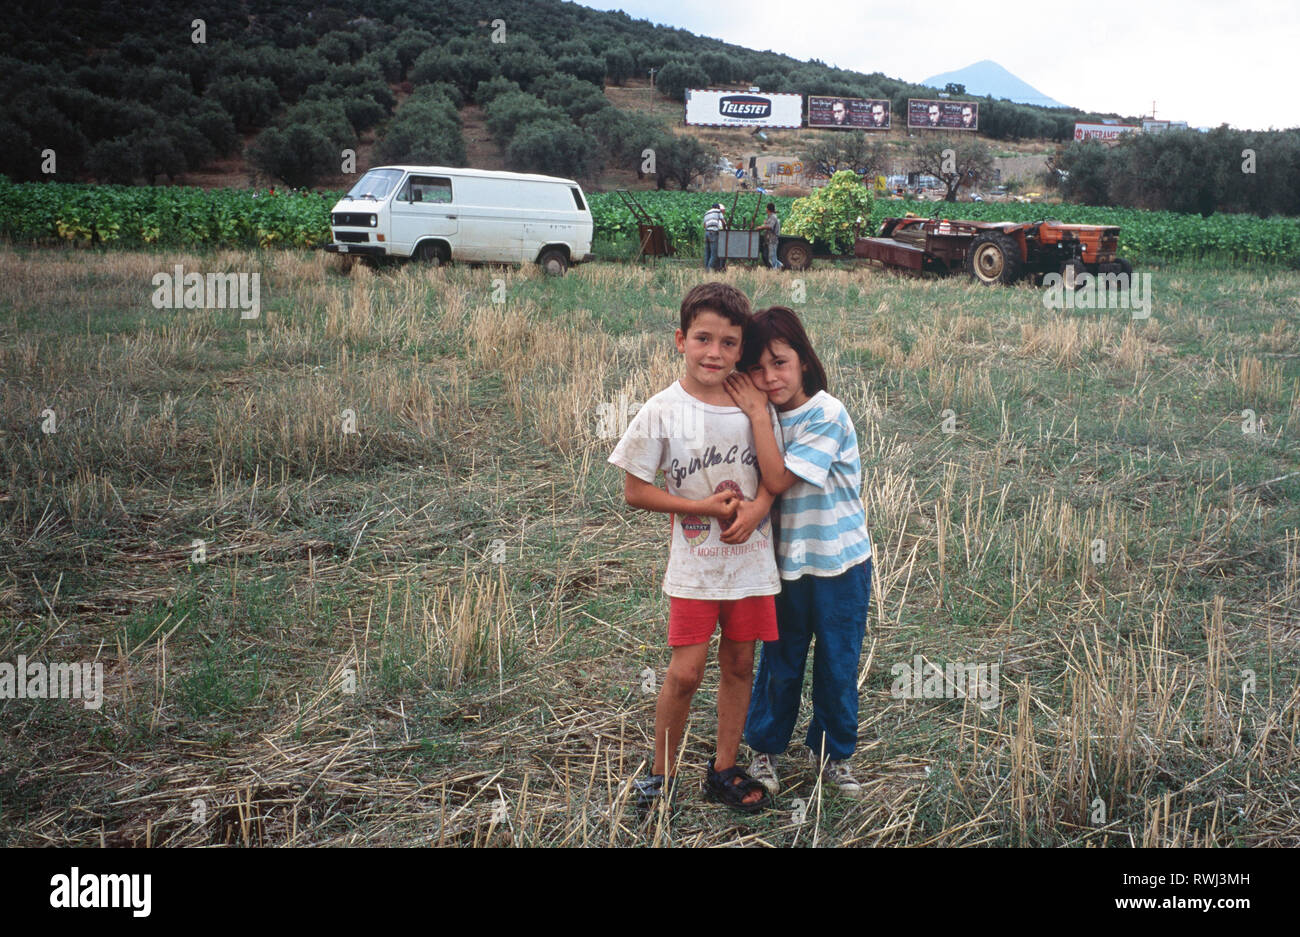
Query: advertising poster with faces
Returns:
{"type": "Point", "coordinates": [857, 113]}
{"type": "Point", "coordinates": [942, 115]}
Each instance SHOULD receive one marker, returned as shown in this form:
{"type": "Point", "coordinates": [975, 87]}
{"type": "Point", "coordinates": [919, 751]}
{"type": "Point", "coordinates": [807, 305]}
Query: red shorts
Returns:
{"type": "Point", "coordinates": [691, 621]}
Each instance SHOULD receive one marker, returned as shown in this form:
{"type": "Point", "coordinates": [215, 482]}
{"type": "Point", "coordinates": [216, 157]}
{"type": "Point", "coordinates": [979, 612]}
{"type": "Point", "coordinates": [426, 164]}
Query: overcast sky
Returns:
{"type": "Point", "coordinates": [1207, 63]}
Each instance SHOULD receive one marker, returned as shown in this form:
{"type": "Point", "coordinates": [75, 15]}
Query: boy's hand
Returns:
{"type": "Point", "coordinates": [721, 504]}
{"type": "Point", "coordinates": [748, 516]}
{"type": "Point", "coordinates": [746, 396]}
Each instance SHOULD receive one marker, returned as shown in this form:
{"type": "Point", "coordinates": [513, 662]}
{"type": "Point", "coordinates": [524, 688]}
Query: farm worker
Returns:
{"type": "Point", "coordinates": [713, 220]}
{"type": "Point", "coordinates": [773, 225]}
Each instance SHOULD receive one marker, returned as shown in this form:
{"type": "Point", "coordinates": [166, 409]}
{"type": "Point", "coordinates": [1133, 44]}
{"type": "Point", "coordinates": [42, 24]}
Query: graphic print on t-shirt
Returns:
{"type": "Point", "coordinates": [696, 529]}
{"type": "Point", "coordinates": [732, 486]}
{"type": "Point", "coordinates": [700, 566]}
{"type": "Point", "coordinates": [764, 528]}
{"type": "Point", "coordinates": [729, 485]}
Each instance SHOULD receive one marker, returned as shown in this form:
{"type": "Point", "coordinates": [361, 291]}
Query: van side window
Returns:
{"type": "Point", "coordinates": [577, 198]}
{"type": "Point", "coordinates": [425, 189]}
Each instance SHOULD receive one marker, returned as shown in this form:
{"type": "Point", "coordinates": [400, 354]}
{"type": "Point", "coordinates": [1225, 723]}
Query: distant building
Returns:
{"type": "Point", "coordinates": [1160, 126]}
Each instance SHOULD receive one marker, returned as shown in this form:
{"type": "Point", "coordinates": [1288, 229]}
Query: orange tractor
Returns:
{"type": "Point", "coordinates": [995, 252]}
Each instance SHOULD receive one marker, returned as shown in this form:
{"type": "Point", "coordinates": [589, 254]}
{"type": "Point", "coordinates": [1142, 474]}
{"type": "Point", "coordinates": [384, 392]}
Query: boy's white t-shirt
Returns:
{"type": "Point", "coordinates": [702, 449]}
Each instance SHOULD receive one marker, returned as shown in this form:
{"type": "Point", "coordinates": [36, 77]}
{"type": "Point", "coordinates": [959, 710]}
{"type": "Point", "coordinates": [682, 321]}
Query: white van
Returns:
{"type": "Point", "coordinates": [438, 215]}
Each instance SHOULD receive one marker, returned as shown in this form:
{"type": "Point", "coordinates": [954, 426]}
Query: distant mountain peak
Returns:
{"type": "Point", "coordinates": [988, 77]}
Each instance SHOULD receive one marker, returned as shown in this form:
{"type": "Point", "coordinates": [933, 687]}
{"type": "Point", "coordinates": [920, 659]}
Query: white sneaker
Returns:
{"type": "Point", "coordinates": [839, 774]}
{"type": "Point", "coordinates": [763, 770]}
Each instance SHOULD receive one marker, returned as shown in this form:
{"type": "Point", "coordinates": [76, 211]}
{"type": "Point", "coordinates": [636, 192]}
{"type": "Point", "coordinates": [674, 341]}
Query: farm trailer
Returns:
{"type": "Point", "coordinates": [742, 242]}
{"type": "Point", "coordinates": [995, 252]}
{"type": "Point", "coordinates": [734, 243]}
{"type": "Point", "coordinates": [795, 253]}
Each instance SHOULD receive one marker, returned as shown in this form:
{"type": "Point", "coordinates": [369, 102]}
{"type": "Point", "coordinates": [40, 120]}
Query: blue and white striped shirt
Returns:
{"type": "Point", "coordinates": [823, 526]}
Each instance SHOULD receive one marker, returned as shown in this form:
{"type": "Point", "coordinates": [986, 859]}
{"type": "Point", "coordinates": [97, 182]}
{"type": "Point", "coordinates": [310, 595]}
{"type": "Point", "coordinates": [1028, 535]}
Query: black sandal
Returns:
{"type": "Point", "coordinates": [732, 785]}
{"type": "Point", "coordinates": [651, 789]}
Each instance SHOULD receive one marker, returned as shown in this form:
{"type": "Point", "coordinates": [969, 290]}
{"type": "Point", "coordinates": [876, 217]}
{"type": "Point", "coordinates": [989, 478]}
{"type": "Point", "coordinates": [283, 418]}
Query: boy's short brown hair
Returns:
{"type": "Point", "coordinates": [722, 298]}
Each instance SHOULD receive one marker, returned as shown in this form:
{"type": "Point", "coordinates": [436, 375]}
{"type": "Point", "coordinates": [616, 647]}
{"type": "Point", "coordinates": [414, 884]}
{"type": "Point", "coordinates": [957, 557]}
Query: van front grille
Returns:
{"type": "Point", "coordinates": [351, 237]}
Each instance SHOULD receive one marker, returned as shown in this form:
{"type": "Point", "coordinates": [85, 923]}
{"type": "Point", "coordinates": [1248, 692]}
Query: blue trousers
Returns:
{"type": "Point", "coordinates": [772, 245]}
{"type": "Point", "coordinates": [833, 609]}
{"type": "Point", "coordinates": [710, 250]}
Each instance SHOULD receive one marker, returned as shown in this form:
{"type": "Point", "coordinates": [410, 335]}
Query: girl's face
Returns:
{"type": "Point", "coordinates": [779, 373]}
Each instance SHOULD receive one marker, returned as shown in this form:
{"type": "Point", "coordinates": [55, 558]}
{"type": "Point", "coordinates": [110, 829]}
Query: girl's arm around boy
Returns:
{"type": "Point", "coordinates": [776, 478]}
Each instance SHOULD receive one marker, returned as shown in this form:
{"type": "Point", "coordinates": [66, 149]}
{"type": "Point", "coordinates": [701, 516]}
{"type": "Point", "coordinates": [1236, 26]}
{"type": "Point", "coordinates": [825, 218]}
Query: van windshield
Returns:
{"type": "Point", "coordinates": [376, 184]}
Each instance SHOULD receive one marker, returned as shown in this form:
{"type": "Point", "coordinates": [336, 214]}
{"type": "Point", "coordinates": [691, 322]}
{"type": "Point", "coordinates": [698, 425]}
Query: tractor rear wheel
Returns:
{"type": "Point", "coordinates": [1125, 268]}
{"type": "Point", "coordinates": [796, 255]}
{"type": "Point", "coordinates": [994, 258]}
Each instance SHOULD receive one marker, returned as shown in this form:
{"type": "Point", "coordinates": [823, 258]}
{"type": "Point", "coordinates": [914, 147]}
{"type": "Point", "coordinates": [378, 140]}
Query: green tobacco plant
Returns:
{"type": "Point", "coordinates": [827, 217]}
{"type": "Point", "coordinates": [175, 216]}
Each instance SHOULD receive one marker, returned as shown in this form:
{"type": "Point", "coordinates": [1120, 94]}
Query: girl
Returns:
{"type": "Point", "coordinates": [823, 550]}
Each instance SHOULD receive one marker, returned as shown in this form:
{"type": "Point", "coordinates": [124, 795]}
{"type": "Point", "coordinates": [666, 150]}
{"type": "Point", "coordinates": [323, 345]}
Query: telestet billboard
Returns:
{"type": "Point", "coordinates": [743, 109]}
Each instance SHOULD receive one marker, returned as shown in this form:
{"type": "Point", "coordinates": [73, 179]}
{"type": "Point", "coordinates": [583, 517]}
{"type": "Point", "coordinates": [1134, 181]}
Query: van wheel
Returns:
{"type": "Point", "coordinates": [431, 253]}
{"type": "Point", "coordinates": [553, 262]}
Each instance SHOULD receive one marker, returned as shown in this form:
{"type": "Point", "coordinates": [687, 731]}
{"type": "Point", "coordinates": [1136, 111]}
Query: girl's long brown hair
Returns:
{"type": "Point", "coordinates": [781, 322]}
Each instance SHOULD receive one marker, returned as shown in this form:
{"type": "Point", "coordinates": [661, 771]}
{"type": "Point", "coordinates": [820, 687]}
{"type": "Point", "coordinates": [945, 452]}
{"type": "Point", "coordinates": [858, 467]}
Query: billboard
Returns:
{"type": "Point", "coordinates": [743, 109]}
{"type": "Point", "coordinates": [1105, 133]}
{"type": "Point", "coordinates": [942, 115]}
{"type": "Point", "coordinates": [858, 113]}
{"type": "Point", "coordinates": [1160, 126]}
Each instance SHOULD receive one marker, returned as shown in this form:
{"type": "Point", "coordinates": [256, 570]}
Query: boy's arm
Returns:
{"type": "Point", "coordinates": [641, 494]}
{"type": "Point", "coordinates": [776, 478]}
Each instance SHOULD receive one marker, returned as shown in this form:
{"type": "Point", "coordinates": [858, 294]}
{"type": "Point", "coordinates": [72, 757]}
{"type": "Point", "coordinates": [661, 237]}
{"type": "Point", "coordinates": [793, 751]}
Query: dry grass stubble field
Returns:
{"type": "Point", "coordinates": [433, 630]}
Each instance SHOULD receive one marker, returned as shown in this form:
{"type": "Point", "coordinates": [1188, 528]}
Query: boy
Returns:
{"type": "Point", "coordinates": [721, 563]}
